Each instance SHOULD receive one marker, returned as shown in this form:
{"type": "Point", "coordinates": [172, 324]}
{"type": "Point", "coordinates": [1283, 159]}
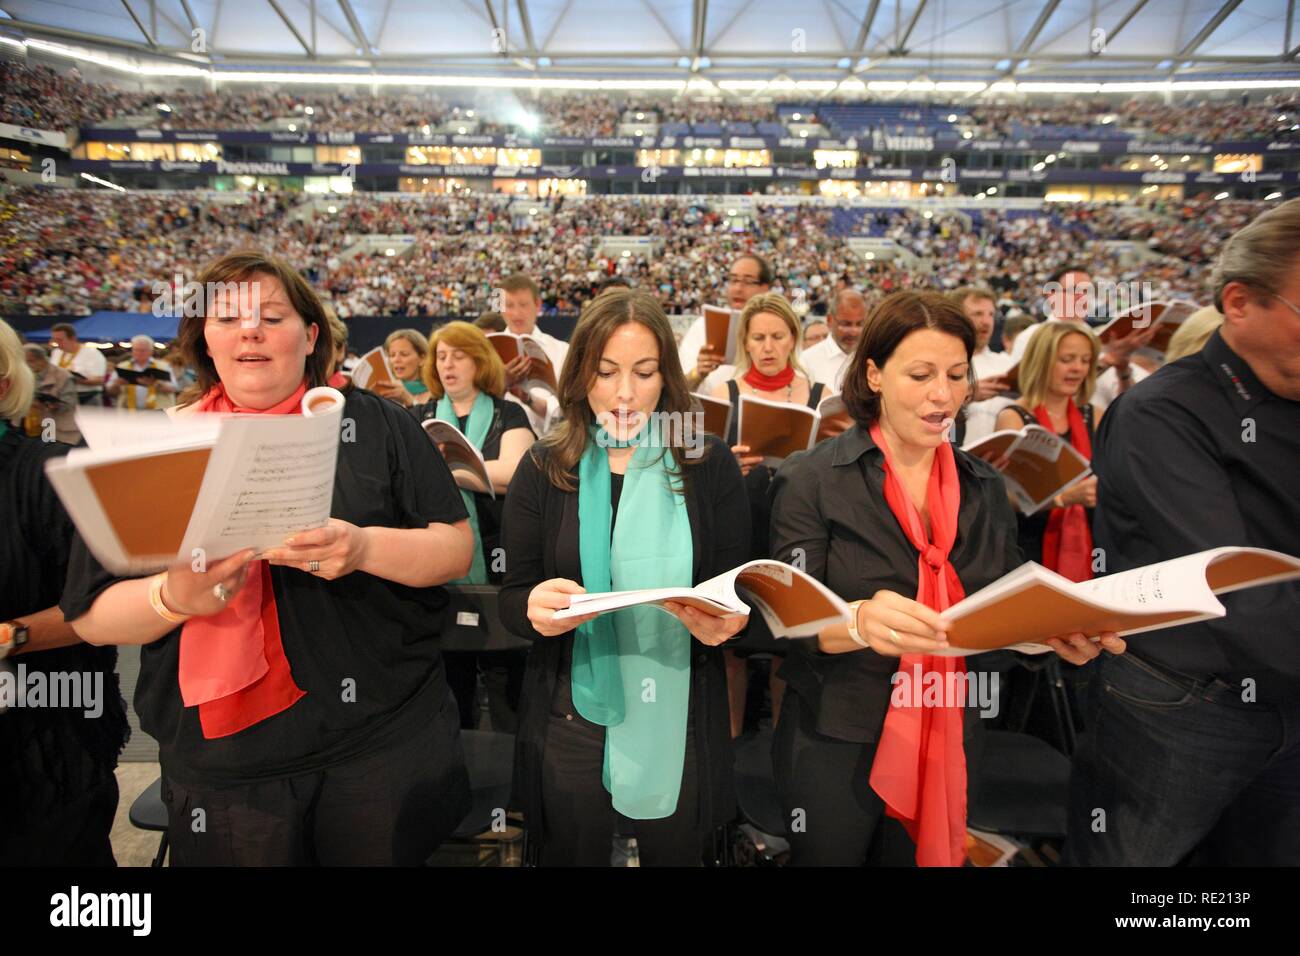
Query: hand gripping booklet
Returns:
{"type": "Point", "coordinates": [151, 489]}
{"type": "Point", "coordinates": [793, 603]}
{"type": "Point", "coordinates": [1166, 317]}
{"type": "Point", "coordinates": [465, 461]}
{"type": "Point", "coordinates": [775, 430]}
{"type": "Point", "coordinates": [1022, 609]}
{"type": "Point", "coordinates": [1039, 465]}
{"type": "Point", "coordinates": [719, 332]}
{"type": "Point", "coordinates": [373, 369]}
{"type": "Point", "coordinates": [541, 373]}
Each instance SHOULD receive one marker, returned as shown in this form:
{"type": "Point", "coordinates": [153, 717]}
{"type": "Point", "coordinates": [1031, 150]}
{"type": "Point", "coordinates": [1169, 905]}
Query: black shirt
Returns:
{"type": "Point", "coordinates": [379, 634]}
{"type": "Point", "coordinates": [541, 536]}
{"type": "Point", "coordinates": [505, 417]}
{"type": "Point", "coordinates": [829, 516]}
{"type": "Point", "coordinates": [1197, 456]}
{"type": "Point", "coordinates": [47, 754]}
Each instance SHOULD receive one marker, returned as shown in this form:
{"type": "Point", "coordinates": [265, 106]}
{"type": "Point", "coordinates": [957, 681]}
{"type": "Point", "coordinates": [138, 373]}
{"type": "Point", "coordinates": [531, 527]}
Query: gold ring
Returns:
{"type": "Point", "coordinates": [893, 636]}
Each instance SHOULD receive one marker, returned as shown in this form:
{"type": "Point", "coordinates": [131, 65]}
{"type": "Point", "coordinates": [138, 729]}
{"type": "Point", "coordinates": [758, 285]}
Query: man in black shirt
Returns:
{"type": "Point", "coordinates": [1197, 741]}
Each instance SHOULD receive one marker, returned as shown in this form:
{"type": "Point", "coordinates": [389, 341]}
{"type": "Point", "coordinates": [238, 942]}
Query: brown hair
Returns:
{"type": "Point", "coordinates": [239, 267]}
{"type": "Point", "coordinates": [519, 282]}
{"type": "Point", "coordinates": [568, 440]}
{"type": "Point", "coordinates": [960, 296]}
{"type": "Point", "coordinates": [65, 328]}
{"type": "Point", "coordinates": [489, 373]}
{"type": "Point", "coordinates": [894, 319]}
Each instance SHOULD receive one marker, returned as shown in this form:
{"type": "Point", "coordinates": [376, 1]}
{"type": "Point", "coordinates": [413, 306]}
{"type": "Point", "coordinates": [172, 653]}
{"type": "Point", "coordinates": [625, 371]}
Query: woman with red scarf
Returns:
{"type": "Point", "coordinates": [298, 696]}
{"type": "Point", "coordinates": [768, 337]}
{"type": "Point", "coordinates": [900, 523]}
{"type": "Point", "coordinates": [1057, 375]}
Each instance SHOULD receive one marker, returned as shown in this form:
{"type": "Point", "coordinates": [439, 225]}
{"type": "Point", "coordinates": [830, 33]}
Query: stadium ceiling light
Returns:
{"type": "Point", "coordinates": [960, 86]}
{"type": "Point", "coordinates": [1273, 196]}
{"type": "Point", "coordinates": [1178, 86]}
{"type": "Point", "coordinates": [12, 42]}
{"type": "Point", "coordinates": [816, 86]}
{"type": "Point", "coordinates": [887, 86]}
{"type": "Point", "coordinates": [1222, 195]}
{"type": "Point", "coordinates": [115, 63]}
{"type": "Point", "coordinates": [852, 83]}
{"type": "Point", "coordinates": [419, 79]}
{"type": "Point", "coordinates": [738, 85]}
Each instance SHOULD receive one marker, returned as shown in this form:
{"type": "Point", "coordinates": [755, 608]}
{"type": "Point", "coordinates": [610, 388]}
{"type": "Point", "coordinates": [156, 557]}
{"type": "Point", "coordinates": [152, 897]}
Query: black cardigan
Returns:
{"type": "Point", "coordinates": [540, 528]}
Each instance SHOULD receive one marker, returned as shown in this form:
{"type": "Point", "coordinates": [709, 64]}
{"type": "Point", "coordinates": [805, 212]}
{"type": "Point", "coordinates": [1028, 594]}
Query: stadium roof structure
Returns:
{"type": "Point", "coordinates": [735, 44]}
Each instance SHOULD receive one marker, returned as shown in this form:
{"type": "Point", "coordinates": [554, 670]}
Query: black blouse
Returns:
{"type": "Point", "coordinates": [506, 416]}
{"type": "Point", "coordinates": [47, 754]}
{"type": "Point", "coordinates": [540, 532]}
{"type": "Point", "coordinates": [829, 514]}
{"type": "Point", "coordinates": [379, 635]}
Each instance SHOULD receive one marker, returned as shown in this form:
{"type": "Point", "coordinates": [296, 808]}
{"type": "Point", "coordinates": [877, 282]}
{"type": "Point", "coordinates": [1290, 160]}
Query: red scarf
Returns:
{"type": "Point", "coordinates": [769, 383]}
{"type": "Point", "coordinates": [232, 664]}
{"type": "Point", "coordinates": [920, 765]}
{"type": "Point", "coordinates": [1067, 542]}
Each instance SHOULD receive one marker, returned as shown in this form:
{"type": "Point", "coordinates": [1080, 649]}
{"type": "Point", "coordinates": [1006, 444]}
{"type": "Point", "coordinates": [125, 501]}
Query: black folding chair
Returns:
{"type": "Point", "coordinates": [148, 812]}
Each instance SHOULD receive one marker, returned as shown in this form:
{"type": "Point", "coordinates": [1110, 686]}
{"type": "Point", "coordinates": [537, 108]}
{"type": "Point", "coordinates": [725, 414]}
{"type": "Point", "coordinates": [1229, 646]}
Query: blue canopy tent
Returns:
{"type": "Point", "coordinates": [117, 327]}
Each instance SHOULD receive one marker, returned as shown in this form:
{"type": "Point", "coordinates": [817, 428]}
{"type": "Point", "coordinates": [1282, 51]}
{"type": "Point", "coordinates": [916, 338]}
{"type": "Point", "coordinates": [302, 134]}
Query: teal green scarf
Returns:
{"type": "Point", "coordinates": [417, 387]}
{"type": "Point", "coordinates": [632, 668]}
{"type": "Point", "coordinates": [476, 429]}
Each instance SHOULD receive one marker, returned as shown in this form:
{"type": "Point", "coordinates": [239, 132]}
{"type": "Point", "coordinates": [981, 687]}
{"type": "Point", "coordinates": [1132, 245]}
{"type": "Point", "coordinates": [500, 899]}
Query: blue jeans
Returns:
{"type": "Point", "coordinates": [1174, 765]}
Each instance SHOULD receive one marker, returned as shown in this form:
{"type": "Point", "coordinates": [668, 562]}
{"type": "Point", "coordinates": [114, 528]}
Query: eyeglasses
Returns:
{"type": "Point", "coordinates": [1289, 304]}
{"type": "Point", "coordinates": [743, 280]}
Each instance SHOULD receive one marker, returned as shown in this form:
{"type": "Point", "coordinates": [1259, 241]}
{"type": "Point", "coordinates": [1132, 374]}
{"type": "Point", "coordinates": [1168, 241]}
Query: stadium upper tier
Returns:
{"type": "Point", "coordinates": [71, 252]}
{"type": "Point", "coordinates": [42, 98]}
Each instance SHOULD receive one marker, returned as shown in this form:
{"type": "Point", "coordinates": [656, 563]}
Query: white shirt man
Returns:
{"type": "Point", "coordinates": [828, 360]}
{"type": "Point", "coordinates": [749, 276]}
{"type": "Point", "coordinates": [988, 400]}
{"type": "Point", "coordinates": [89, 363]}
{"type": "Point", "coordinates": [522, 304]}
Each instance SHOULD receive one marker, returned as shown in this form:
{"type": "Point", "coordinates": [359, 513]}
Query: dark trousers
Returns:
{"type": "Point", "coordinates": [833, 817]}
{"type": "Point", "coordinates": [72, 831]}
{"type": "Point", "coordinates": [389, 807]}
{"type": "Point", "coordinates": [580, 815]}
{"type": "Point", "coordinates": [1175, 767]}
{"type": "Point", "coordinates": [503, 676]}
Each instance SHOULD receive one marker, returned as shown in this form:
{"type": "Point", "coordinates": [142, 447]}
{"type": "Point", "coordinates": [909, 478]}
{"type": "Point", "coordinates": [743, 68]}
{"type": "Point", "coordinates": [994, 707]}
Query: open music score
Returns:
{"type": "Point", "coordinates": [149, 492]}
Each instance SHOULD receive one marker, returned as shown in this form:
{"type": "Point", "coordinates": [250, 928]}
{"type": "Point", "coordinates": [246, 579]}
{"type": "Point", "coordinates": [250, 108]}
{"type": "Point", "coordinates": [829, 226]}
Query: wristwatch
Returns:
{"type": "Point", "coordinates": [13, 635]}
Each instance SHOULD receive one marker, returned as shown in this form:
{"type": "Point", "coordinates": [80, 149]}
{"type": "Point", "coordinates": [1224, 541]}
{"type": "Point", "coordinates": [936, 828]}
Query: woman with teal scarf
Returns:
{"type": "Point", "coordinates": [624, 714]}
{"type": "Point", "coordinates": [465, 382]}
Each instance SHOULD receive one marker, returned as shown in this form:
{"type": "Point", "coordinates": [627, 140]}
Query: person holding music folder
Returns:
{"type": "Point", "coordinates": [1195, 755]}
{"type": "Point", "coordinates": [298, 696]}
{"type": "Point", "coordinates": [466, 382]}
{"type": "Point", "coordinates": [59, 792]}
{"type": "Point", "coordinates": [767, 353]}
{"type": "Point", "coordinates": [624, 713]}
{"type": "Point", "coordinates": [750, 275]}
{"type": "Point", "coordinates": [407, 350]}
{"type": "Point", "coordinates": [896, 520]}
{"type": "Point", "coordinates": [1057, 374]}
{"type": "Point", "coordinates": [521, 304]}
{"type": "Point", "coordinates": [136, 392]}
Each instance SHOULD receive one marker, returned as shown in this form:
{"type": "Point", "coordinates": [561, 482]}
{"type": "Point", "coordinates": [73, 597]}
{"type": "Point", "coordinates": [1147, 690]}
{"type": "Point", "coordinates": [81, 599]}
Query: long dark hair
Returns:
{"type": "Point", "coordinates": [240, 267]}
{"type": "Point", "coordinates": [894, 319]}
{"type": "Point", "coordinates": [604, 315]}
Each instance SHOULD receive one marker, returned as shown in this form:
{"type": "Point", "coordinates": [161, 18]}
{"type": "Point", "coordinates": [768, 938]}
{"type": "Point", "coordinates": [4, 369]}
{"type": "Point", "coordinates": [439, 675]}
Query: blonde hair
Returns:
{"type": "Point", "coordinates": [14, 369]}
{"type": "Point", "coordinates": [417, 340]}
{"type": "Point", "coordinates": [775, 304]}
{"type": "Point", "coordinates": [1040, 357]}
{"type": "Point", "coordinates": [489, 373]}
{"type": "Point", "coordinates": [1193, 333]}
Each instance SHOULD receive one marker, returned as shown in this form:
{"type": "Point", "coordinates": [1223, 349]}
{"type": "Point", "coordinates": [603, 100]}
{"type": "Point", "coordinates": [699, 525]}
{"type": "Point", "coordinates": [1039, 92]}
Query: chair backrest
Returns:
{"type": "Point", "coordinates": [474, 621]}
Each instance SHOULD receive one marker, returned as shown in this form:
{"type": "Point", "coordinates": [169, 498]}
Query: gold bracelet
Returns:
{"type": "Point", "coordinates": [156, 601]}
{"type": "Point", "coordinates": [853, 625]}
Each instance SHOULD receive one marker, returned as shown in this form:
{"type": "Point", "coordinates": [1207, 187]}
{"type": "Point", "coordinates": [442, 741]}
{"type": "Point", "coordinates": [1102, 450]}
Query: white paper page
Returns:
{"type": "Point", "coordinates": [362, 373]}
{"type": "Point", "coordinates": [269, 476]}
{"type": "Point", "coordinates": [580, 604]}
{"type": "Point", "coordinates": [108, 429]}
{"type": "Point", "coordinates": [1174, 585]}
